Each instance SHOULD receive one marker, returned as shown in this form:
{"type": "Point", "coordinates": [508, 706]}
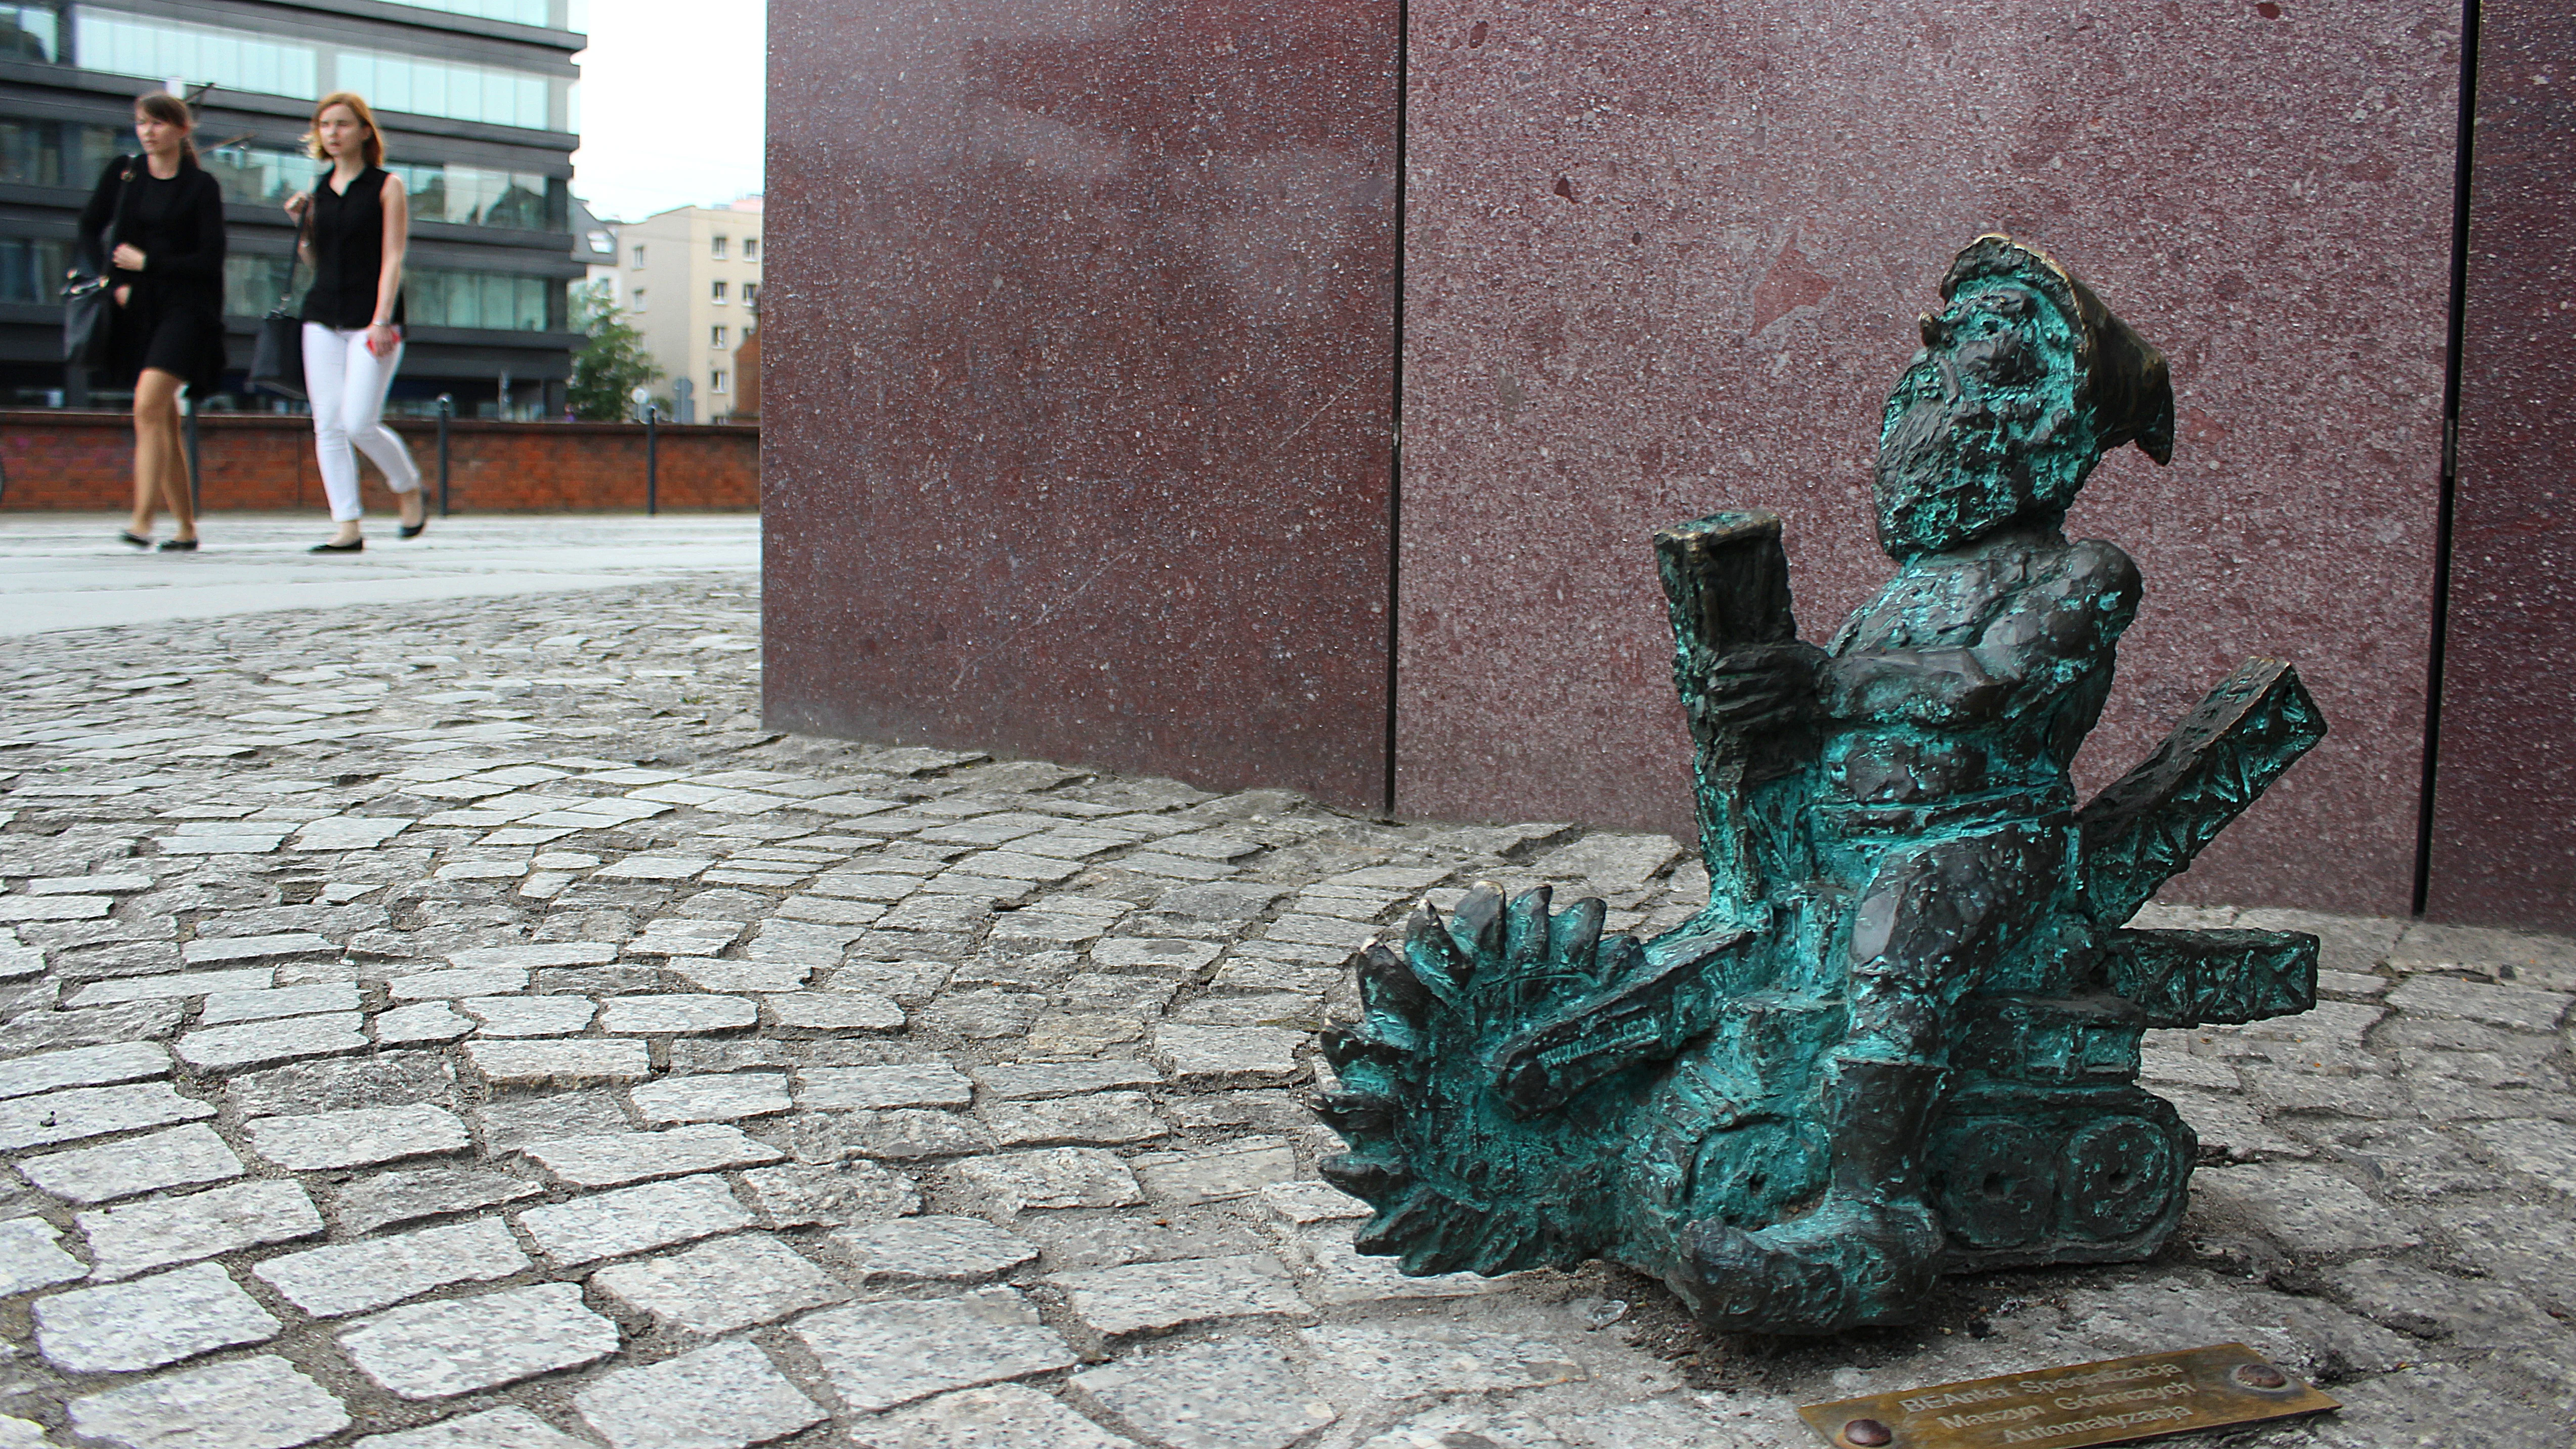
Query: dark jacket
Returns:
{"type": "Point", "coordinates": [174, 318]}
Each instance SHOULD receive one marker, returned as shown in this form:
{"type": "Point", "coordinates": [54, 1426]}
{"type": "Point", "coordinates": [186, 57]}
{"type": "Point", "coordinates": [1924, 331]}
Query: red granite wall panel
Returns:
{"type": "Point", "coordinates": [1666, 257]}
{"type": "Point", "coordinates": [264, 462]}
{"type": "Point", "coordinates": [1078, 336]}
{"type": "Point", "coordinates": [2504, 794]}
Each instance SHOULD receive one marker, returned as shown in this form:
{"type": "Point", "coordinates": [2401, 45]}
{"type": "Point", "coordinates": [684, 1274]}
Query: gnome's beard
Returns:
{"type": "Point", "coordinates": [1951, 470]}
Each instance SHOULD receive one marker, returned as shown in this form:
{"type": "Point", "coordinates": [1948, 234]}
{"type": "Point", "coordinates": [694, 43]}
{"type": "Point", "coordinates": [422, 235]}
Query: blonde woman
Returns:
{"type": "Point", "coordinates": [167, 268]}
{"type": "Point", "coordinates": [359, 227]}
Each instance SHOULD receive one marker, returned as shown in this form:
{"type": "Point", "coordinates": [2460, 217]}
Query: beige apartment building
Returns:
{"type": "Point", "coordinates": [689, 279]}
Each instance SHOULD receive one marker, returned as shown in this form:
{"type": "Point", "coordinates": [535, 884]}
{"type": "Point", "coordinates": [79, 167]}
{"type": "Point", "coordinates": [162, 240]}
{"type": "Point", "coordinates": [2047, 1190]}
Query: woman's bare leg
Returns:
{"type": "Point", "coordinates": [149, 456]}
{"type": "Point", "coordinates": [156, 401]}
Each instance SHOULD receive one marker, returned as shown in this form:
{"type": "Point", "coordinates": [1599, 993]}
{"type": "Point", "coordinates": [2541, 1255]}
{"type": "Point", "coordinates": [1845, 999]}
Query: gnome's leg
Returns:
{"type": "Point", "coordinates": [1931, 923]}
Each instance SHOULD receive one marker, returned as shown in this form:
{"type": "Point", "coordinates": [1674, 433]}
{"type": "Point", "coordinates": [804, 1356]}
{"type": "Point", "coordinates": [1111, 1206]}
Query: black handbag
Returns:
{"type": "Point", "coordinates": [277, 356]}
{"type": "Point", "coordinates": [89, 308]}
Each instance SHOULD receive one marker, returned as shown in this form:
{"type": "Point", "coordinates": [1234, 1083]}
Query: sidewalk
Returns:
{"type": "Point", "coordinates": [465, 1012]}
{"type": "Point", "coordinates": [69, 571]}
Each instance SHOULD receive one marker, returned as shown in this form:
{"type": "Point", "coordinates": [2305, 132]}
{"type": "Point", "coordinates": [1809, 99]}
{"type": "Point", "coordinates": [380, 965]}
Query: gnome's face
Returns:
{"type": "Point", "coordinates": [1984, 429]}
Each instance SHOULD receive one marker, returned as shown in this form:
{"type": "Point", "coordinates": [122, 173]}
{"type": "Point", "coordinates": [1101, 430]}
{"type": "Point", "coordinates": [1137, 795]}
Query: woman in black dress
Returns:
{"type": "Point", "coordinates": [167, 270]}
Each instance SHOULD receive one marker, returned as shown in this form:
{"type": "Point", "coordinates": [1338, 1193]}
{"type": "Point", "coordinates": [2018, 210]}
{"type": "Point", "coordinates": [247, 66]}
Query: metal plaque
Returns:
{"type": "Point", "coordinates": [2109, 1402]}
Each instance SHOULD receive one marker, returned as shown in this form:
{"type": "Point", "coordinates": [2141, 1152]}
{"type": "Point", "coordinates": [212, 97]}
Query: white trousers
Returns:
{"type": "Point", "coordinates": [347, 386]}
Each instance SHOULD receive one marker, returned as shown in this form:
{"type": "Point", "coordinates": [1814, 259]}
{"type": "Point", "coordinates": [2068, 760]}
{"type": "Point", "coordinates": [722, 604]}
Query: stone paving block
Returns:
{"type": "Point", "coordinates": [358, 1137]}
{"type": "Point", "coordinates": [1301, 1203]}
{"type": "Point", "coordinates": [932, 1249]}
{"type": "Point", "coordinates": [1097, 1119]}
{"type": "Point", "coordinates": [428, 1021]}
{"type": "Point", "coordinates": [879, 1355]}
{"type": "Point", "coordinates": [453, 984]}
{"type": "Point", "coordinates": [720, 977]}
{"type": "Point", "coordinates": [634, 1219]}
{"type": "Point", "coordinates": [1171, 867]}
{"type": "Point", "coordinates": [1052, 1177]}
{"type": "Point", "coordinates": [180, 1157]}
{"type": "Point", "coordinates": [31, 908]}
{"type": "Point", "coordinates": [717, 1287]}
{"type": "Point", "coordinates": [223, 950]}
{"type": "Point", "coordinates": [1323, 931]}
{"type": "Point", "coordinates": [653, 1015]}
{"type": "Point", "coordinates": [723, 1396]}
{"type": "Point", "coordinates": [354, 1277]}
{"type": "Point", "coordinates": [236, 1006]}
{"type": "Point", "coordinates": [1156, 1297]}
{"type": "Point", "coordinates": [1010, 1080]}
{"type": "Point", "coordinates": [622, 1157]}
{"type": "Point", "coordinates": [176, 985]}
{"type": "Point", "coordinates": [2462, 1314]}
{"type": "Point", "coordinates": [493, 1429]}
{"type": "Point", "coordinates": [2307, 1210]}
{"type": "Point", "coordinates": [685, 936]}
{"type": "Point", "coordinates": [1220, 1054]}
{"type": "Point", "coordinates": [908, 1084]}
{"type": "Point", "coordinates": [260, 1044]}
{"type": "Point", "coordinates": [509, 1123]}
{"type": "Point", "coordinates": [1343, 1275]}
{"type": "Point", "coordinates": [149, 1321]}
{"type": "Point", "coordinates": [573, 1063]}
{"type": "Point", "coordinates": [378, 1079]}
{"type": "Point", "coordinates": [2541, 1149]}
{"type": "Point", "coordinates": [1005, 1417]}
{"type": "Point", "coordinates": [261, 1402]}
{"type": "Point", "coordinates": [832, 1011]}
{"type": "Point", "coordinates": [533, 955]}
{"type": "Point", "coordinates": [1164, 955]}
{"type": "Point", "coordinates": [2519, 1007]}
{"type": "Point", "coordinates": [803, 1194]}
{"type": "Point", "coordinates": [1237, 1169]}
{"type": "Point", "coordinates": [1219, 1395]}
{"type": "Point", "coordinates": [527, 1016]}
{"type": "Point", "coordinates": [903, 1134]}
{"type": "Point", "coordinates": [390, 1199]}
{"type": "Point", "coordinates": [144, 1235]}
{"type": "Point", "coordinates": [348, 832]}
{"type": "Point", "coordinates": [1406, 1358]}
{"type": "Point", "coordinates": [31, 1256]}
{"type": "Point", "coordinates": [711, 1097]}
{"type": "Point", "coordinates": [461, 1345]}
{"type": "Point", "coordinates": [2307, 1336]}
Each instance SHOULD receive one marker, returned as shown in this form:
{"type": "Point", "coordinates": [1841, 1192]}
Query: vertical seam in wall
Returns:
{"type": "Point", "coordinates": [1395, 404]}
{"type": "Point", "coordinates": [2438, 634]}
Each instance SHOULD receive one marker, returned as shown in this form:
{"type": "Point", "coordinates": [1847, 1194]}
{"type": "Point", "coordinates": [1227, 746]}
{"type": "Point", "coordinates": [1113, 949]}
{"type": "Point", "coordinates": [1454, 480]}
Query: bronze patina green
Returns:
{"type": "Point", "coordinates": [1902, 1039]}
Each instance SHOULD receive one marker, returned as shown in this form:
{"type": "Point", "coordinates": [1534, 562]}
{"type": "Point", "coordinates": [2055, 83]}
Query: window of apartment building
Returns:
{"type": "Point", "coordinates": [750, 294]}
{"type": "Point", "coordinates": [235, 59]}
{"type": "Point", "coordinates": [717, 339]}
{"type": "Point", "coordinates": [30, 32]}
{"type": "Point", "coordinates": [716, 380]}
{"type": "Point", "coordinates": [720, 249]}
{"type": "Point", "coordinates": [639, 254]}
{"type": "Point", "coordinates": [751, 249]}
{"type": "Point", "coordinates": [635, 302]}
{"type": "Point", "coordinates": [719, 293]}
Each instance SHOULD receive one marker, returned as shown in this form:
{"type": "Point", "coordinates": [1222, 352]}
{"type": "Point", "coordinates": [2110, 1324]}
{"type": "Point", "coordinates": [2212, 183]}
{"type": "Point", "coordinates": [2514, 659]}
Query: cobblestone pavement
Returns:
{"type": "Point", "coordinates": [461, 1024]}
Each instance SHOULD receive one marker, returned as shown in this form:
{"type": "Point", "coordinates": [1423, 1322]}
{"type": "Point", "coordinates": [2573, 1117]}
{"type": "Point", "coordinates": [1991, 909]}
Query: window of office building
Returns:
{"type": "Point", "coordinates": [32, 270]}
{"type": "Point", "coordinates": [521, 12]}
{"type": "Point", "coordinates": [495, 300]}
{"type": "Point", "coordinates": [443, 88]}
{"type": "Point", "coordinates": [720, 249]}
{"type": "Point", "coordinates": [256, 174]}
{"type": "Point", "coordinates": [474, 196]}
{"type": "Point", "coordinates": [717, 339]}
{"type": "Point", "coordinates": [30, 32]}
{"type": "Point", "coordinates": [156, 49]}
{"type": "Point", "coordinates": [31, 152]}
{"type": "Point", "coordinates": [253, 284]}
{"type": "Point", "coordinates": [719, 293]}
{"type": "Point", "coordinates": [751, 249]}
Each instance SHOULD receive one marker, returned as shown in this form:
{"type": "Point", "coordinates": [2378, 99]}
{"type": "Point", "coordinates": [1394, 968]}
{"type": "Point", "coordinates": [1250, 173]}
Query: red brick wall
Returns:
{"type": "Point", "coordinates": [85, 460]}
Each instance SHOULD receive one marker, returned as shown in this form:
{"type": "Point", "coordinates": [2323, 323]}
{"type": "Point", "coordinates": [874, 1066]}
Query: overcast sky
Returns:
{"type": "Point", "coordinates": [671, 106]}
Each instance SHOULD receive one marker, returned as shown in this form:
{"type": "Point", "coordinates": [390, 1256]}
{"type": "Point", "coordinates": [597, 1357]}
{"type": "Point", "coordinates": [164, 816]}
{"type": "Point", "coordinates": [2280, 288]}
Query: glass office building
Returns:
{"type": "Point", "coordinates": [478, 100]}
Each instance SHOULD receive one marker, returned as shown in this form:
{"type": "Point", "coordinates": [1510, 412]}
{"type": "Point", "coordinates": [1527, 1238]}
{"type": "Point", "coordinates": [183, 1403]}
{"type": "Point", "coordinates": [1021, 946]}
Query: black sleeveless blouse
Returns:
{"type": "Point", "coordinates": [348, 252]}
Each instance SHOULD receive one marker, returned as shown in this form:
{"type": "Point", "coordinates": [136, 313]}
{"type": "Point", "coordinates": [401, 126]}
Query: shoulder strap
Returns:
{"type": "Point", "coordinates": [295, 257]}
{"type": "Point", "coordinates": [116, 217]}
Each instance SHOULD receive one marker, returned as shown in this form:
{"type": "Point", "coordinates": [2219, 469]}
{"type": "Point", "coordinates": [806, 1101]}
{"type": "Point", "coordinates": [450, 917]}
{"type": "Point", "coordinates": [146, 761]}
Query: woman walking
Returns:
{"type": "Point", "coordinates": [359, 227]}
{"type": "Point", "coordinates": [166, 271]}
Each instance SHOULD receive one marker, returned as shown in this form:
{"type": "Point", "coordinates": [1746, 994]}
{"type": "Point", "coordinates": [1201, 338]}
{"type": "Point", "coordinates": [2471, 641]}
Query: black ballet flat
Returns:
{"type": "Point", "coordinates": [178, 545]}
{"type": "Point", "coordinates": [136, 539]}
{"type": "Point", "coordinates": [412, 530]}
{"type": "Point", "coordinates": [355, 545]}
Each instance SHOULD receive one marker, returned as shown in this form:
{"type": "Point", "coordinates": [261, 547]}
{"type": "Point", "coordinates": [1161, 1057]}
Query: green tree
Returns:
{"type": "Point", "coordinates": [609, 367]}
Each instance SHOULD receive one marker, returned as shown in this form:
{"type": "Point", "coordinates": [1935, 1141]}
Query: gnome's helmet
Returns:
{"type": "Point", "coordinates": [2025, 380]}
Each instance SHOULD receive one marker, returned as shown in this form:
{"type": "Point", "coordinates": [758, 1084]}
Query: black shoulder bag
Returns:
{"type": "Point", "coordinates": [277, 357]}
{"type": "Point", "coordinates": [89, 304]}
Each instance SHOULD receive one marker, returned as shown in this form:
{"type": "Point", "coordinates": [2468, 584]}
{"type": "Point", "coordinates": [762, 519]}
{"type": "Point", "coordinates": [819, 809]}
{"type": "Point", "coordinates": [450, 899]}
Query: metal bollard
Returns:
{"type": "Point", "coordinates": [446, 410]}
{"type": "Point", "coordinates": [652, 460]}
{"type": "Point", "coordinates": [195, 498]}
